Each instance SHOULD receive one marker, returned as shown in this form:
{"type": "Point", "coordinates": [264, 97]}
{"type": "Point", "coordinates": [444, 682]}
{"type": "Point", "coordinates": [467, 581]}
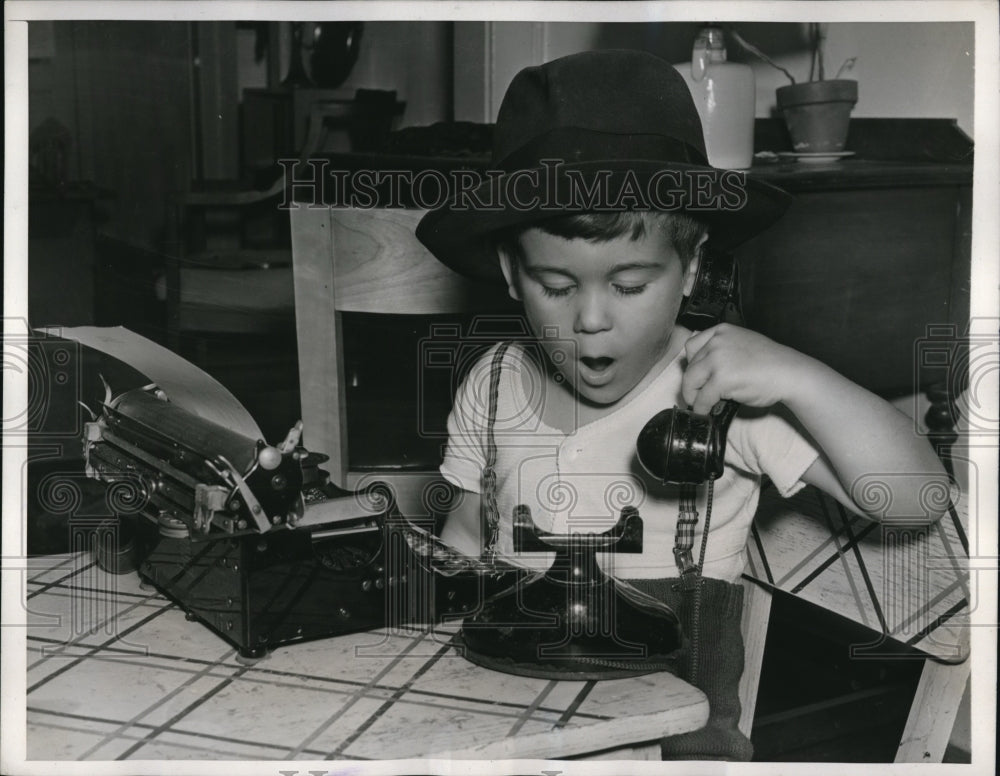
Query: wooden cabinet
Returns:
{"type": "Point", "coordinates": [867, 258]}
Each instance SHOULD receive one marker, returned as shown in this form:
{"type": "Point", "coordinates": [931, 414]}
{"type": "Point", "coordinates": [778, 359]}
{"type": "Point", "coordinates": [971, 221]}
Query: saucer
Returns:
{"type": "Point", "coordinates": [814, 158]}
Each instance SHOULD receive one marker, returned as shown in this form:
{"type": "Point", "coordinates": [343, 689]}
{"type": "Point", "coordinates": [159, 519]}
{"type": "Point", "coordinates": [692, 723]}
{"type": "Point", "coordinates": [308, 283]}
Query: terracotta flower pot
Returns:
{"type": "Point", "coordinates": [818, 114]}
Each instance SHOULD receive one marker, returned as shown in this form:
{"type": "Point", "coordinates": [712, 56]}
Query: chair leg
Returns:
{"type": "Point", "coordinates": [932, 715]}
{"type": "Point", "coordinates": [756, 615]}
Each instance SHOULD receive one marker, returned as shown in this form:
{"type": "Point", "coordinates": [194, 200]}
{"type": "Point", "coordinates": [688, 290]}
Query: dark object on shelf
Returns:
{"type": "Point", "coordinates": [335, 48]}
{"type": "Point", "coordinates": [374, 111]}
{"type": "Point", "coordinates": [446, 138]}
{"type": "Point", "coordinates": [309, 122]}
{"type": "Point", "coordinates": [297, 75]}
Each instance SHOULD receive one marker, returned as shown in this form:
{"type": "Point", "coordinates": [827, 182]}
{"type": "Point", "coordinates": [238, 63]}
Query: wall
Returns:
{"type": "Point", "coordinates": [123, 91]}
{"type": "Point", "coordinates": [903, 70]}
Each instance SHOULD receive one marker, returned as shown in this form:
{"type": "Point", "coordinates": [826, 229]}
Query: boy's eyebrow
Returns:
{"type": "Point", "coordinates": [635, 265]}
{"type": "Point", "coordinates": [543, 269]}
{"type": "Point", "coordinates": [624, 267]}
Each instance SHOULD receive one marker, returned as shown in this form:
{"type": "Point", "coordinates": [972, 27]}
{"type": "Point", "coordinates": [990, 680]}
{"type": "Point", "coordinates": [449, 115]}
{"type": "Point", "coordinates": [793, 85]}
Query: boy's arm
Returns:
{"type": "Point", "coordinates": [859, 434]}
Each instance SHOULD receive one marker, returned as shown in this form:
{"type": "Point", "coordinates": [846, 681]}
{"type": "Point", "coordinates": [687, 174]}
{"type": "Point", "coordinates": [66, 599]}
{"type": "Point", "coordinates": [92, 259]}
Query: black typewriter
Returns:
{"type": "Point", "coordinates": [250, 539]}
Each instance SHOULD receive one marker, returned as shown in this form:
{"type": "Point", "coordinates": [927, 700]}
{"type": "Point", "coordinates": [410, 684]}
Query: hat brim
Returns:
{"type": "Point", "coordinates": [733, 205]}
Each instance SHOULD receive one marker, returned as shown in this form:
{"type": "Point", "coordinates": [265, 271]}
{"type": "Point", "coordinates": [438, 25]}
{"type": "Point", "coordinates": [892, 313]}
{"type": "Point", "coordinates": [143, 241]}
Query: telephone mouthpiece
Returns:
{"type": "Point", "coordinates": [681, 447]}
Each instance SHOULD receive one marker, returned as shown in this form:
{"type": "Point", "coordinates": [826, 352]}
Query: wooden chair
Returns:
{"type": "Point", "coordinates": [370, 261]}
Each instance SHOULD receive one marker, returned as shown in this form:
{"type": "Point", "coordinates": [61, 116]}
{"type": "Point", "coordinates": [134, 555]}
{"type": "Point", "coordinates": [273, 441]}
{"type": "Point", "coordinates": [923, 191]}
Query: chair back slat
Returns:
{"type": "Point", "coordinates": [381, 267]}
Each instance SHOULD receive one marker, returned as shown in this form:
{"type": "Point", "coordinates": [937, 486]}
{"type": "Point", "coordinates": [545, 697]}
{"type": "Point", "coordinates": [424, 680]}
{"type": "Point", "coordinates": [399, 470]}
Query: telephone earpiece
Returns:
{"type": "Point", "coordinates": [715, 296]}
{"type": "Point", "coordinates": [679, 446]}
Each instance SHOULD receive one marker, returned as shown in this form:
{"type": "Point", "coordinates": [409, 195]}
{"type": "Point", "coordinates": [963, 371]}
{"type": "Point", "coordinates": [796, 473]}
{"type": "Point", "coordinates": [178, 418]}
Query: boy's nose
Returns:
{"type": "Point", "coordinates": [591, 313]}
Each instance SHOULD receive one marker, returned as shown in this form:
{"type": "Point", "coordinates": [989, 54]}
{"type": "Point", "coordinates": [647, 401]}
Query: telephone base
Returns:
{"type": "Point", "coordinates": [579, 669]}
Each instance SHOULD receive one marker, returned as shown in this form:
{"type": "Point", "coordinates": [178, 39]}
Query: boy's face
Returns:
{"type": "Point", "coordinates": [616, 300]}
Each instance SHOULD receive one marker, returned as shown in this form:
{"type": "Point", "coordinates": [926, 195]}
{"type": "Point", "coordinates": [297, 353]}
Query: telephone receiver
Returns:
{"type": "Point", "coordinates": [679, 446]}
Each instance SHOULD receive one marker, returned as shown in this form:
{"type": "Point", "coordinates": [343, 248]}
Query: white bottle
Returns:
{"type": "Point", "coordinates": [724, 94]}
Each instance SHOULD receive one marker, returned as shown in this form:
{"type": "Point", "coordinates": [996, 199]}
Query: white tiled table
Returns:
{"type": "Point", "coordinates": [116, 672]}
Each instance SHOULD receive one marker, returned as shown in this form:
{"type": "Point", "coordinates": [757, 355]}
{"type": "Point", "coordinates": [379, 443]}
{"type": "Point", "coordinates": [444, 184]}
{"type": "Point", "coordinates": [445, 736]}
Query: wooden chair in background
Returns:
{"type": "Point", "coordinates": [367, 261]}
{"type": "Point", "coordinates": [370, 261]}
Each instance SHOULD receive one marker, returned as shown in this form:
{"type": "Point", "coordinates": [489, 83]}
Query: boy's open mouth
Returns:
{"type": "Point", "coordinates": [597, 364]}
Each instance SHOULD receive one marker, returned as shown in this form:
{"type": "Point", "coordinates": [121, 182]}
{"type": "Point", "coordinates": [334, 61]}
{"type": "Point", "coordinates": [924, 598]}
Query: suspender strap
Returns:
{"type": "Point", "coordinates": [687, 519]}
{"type": "Point", "coordinates": [490, 512]}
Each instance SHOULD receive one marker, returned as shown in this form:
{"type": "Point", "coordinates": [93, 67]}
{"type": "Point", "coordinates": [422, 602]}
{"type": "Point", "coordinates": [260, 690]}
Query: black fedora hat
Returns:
{"type": "Point", "coordinates": [604, 130]}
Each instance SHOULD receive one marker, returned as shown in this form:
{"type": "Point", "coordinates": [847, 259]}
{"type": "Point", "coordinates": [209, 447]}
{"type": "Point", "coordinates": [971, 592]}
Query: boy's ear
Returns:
{"type": "Point", "coordinates": [692, 268]}
{"type": "Point", "coordinates": [508, 266]}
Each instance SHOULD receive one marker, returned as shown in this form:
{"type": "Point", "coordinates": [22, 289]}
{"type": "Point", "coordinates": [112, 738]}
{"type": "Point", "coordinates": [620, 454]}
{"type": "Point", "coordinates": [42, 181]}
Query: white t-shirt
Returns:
{"type": "Point", "coordinates": [578, 482]}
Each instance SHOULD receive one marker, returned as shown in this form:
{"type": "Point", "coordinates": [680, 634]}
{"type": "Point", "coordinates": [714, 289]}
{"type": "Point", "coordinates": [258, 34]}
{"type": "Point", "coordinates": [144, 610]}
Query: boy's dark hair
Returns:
{"type": "Point", "coordinates": [682, 230]}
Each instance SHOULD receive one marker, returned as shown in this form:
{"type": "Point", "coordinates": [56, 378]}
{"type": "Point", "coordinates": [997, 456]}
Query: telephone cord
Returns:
{"type": "Point", "coordinates": [696, 614]}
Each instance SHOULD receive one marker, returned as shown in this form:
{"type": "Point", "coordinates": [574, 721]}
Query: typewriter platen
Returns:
{"type": "Point", "coordinates": [248, 538]}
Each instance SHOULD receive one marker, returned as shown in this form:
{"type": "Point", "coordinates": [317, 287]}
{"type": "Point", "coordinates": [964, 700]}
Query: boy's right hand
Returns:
{"type": "Point", "coordinates": [730, 362]}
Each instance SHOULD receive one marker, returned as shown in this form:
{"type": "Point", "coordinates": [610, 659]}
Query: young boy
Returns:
{"type": "Point", "coordinates": [596, 222]}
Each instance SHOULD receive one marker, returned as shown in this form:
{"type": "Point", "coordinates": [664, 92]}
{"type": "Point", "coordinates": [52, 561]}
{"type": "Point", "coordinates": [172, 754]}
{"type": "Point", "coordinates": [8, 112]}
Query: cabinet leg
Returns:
{"type": "Point", "coordinates": [940, 420]}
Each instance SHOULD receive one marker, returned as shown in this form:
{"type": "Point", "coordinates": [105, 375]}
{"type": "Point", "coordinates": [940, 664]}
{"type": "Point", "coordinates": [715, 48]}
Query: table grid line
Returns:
{"type": "Point", "coordinates": [960, 574]}
{"type": "Point", "coordinates": [529, 712]}
{"type": "Point", "coordinates": [938, 622]}
{"type": "Point", "coordinates": [374, 717]}
{"type": "Point", "coordinates": [152, 735]}
{"type": "Point", "coordinates": [61, 581]}
{"type": "Point", "coordinates": [278, 750]}
{"type": "Point", "coordinates": [76, 661]}
{"type": "Point", "coordinates": [359, 694]}
{"type": "Point", "coordinates": [88, 589]}
{"type": "Point", "coordinates": [810, 557]}
{"type": "Point", "coordinates": [862, 567]}
{"type": "Point", "coordinates": [516, 709]}
{"type": "Point", "coordinates": [192, 678]}
{"type": "Point", "coordinates": [571, 710]}
{"type": "Point", "coordinates": [177, 731]}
